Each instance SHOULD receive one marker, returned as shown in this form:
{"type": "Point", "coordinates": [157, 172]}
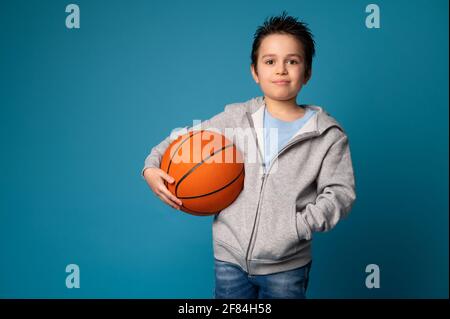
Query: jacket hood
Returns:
{"type": "Point", "coordinates": [320, 122]}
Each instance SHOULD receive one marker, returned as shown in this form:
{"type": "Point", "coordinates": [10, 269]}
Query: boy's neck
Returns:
{"type": "Point", "coordinates": [284, 110]}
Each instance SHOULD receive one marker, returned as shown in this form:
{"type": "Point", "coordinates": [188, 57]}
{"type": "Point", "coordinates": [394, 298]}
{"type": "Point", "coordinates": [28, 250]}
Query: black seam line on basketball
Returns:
{"type": "Point", "coordinates": [178, 147]}
{"type": "Point", "coordinates": [235, 179]}
{"type": "Point", "coordinates": [203, 214]}
{"type": "Point", "coordinates": [197, 165]}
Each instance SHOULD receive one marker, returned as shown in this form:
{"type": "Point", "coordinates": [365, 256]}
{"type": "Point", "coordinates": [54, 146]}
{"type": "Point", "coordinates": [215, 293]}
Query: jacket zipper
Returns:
{"type": "Point", "coordinates": [254, 222]}
{"type": "Point", "coordinates": [260, 191]}
{"type": "Point", "coordinates": [263, 178]}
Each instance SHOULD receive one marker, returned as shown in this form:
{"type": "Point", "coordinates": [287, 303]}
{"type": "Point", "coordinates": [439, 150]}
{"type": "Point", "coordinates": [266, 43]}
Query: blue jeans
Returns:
{"type": "Point", "coordinates": [234, 283]}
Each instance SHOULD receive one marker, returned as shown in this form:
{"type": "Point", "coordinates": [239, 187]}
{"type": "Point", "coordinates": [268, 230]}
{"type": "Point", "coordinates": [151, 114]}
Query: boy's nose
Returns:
{"type": "Point", "coordinates": [281, 70]}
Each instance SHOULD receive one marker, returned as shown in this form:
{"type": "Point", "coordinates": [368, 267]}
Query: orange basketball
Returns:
{"type": "Point", "coordinates": [208, 171]}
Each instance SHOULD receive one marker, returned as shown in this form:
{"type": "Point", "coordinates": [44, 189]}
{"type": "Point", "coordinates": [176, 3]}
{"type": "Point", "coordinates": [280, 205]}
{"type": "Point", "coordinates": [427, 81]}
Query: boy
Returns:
{"type": "Point", "coordinates": [262, 241]}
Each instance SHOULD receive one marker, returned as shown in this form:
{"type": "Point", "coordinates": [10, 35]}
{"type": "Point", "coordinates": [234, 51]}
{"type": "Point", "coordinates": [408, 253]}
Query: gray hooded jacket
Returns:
{"type": "Point", "coordinates": [308, 187]}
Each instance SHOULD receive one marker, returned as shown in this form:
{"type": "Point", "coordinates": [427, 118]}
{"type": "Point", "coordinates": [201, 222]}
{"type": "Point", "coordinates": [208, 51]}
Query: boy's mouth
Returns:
{"type": "Point", "coordinates": [281, 82]}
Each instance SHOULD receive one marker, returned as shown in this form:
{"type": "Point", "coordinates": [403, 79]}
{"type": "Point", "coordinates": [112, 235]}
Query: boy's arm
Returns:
{"type": "Point", "coordinates": [219, 121]}
{"type": "Point", "coordinates": [336, 189]}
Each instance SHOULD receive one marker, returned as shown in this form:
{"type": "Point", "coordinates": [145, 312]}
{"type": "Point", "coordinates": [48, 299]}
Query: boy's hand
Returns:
{"type": "Point", "coordinates": [155, 178]}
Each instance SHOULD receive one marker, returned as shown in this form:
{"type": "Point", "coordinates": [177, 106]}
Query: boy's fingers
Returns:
{"type": "Point", "coordinates": [171, 196]}
{"type": "Point", "coordinates": [168, 201]}
{"type": "Point", "coordinates": [167, 177]}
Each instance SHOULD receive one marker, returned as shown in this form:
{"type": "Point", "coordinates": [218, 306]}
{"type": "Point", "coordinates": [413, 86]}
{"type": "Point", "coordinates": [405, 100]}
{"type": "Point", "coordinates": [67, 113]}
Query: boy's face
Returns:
{"type": "Point", "coordinates": [280, 58]}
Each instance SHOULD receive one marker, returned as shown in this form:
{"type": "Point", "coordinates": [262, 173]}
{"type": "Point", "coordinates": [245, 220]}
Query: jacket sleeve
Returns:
{"type": "Point", "coordinates": [218, 122]}
{"type": "Point", "coordinates": [335, 189]}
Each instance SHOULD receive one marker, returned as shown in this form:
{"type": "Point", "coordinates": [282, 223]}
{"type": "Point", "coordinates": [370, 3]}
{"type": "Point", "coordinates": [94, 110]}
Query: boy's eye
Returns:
{"type": "Point", "coordinates": [270, 62]}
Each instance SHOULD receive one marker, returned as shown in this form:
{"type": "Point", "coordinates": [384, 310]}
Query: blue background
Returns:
{"type": "Point", "coordinates": [81, 109]}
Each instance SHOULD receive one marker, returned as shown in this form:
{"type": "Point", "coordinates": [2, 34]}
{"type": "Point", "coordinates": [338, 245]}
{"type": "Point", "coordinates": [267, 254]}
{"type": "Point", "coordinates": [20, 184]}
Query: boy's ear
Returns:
{"type": "Point", "coordinates": [307, 77]}
{"type": "Point", "coordinates": [254, 73]}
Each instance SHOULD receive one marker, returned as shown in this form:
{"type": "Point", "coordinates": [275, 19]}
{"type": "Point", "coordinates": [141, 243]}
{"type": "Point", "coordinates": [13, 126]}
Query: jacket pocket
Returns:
{"type": "Point", "coordinates": [303, 230]}
{"type": "Point", "coordinates": [276, 237]}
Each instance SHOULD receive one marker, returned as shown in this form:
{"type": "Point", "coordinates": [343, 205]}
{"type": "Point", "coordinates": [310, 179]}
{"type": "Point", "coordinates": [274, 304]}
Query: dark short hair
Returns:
{"type": "Point", "coordinates": [284, 24]}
